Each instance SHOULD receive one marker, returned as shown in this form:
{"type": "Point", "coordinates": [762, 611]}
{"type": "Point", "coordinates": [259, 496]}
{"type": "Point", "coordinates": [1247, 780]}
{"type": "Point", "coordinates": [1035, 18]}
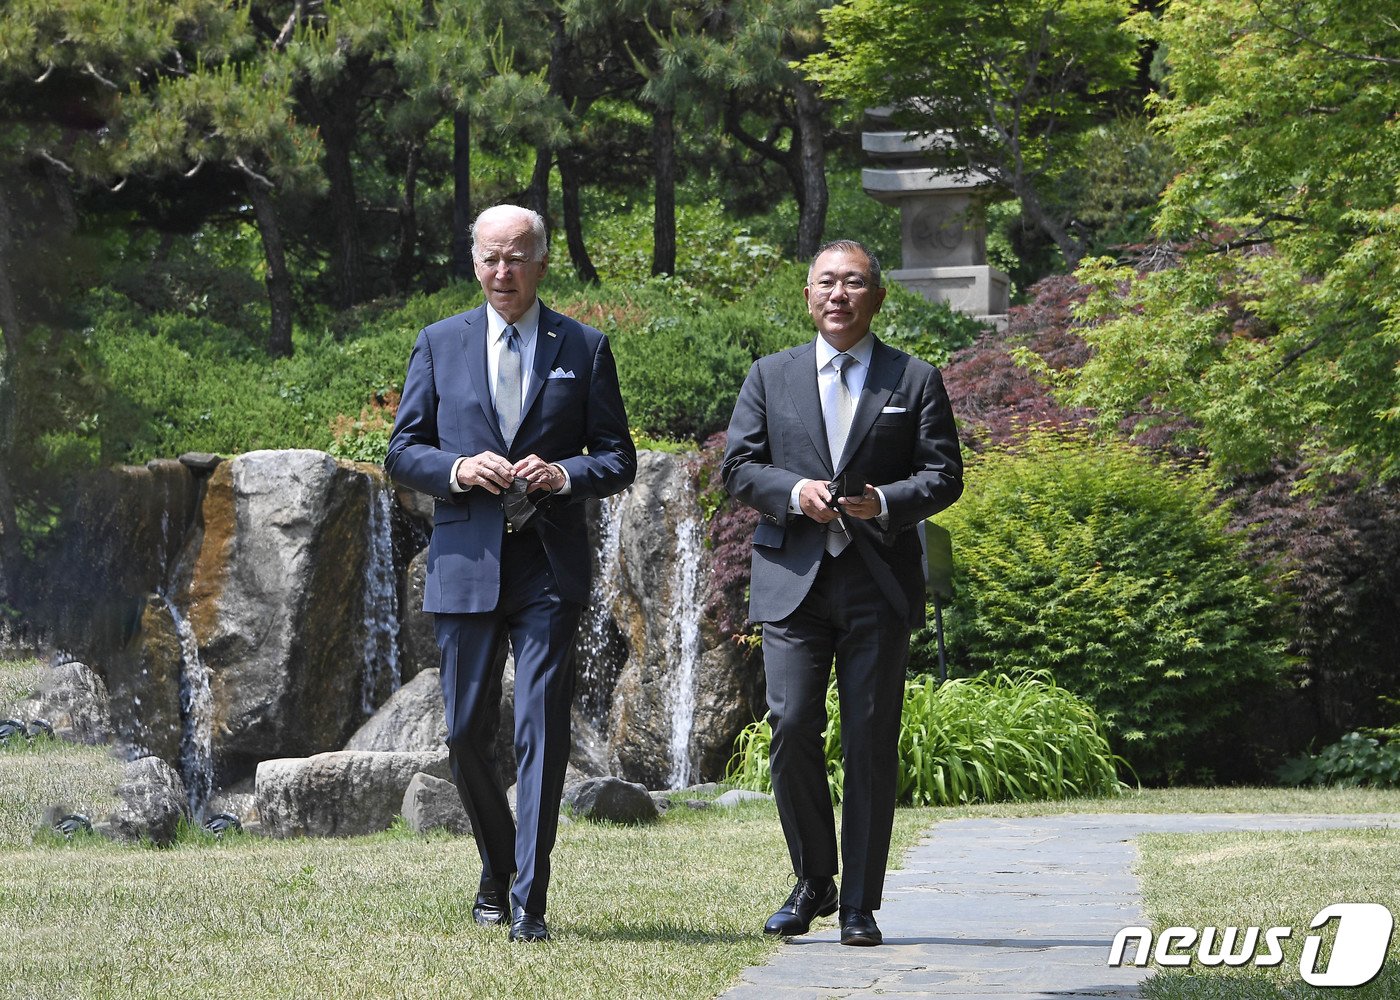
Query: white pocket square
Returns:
{"type": "Point", "coordinates": [894, 409]}
{"type": "Point", "coordinates": [560, 373]}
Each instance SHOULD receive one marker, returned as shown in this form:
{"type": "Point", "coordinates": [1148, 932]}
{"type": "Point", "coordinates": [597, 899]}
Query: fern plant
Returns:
{"type": "Point", "coordinates": [970, 740]}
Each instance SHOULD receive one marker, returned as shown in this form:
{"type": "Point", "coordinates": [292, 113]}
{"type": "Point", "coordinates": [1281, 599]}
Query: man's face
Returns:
{"type": "Point", "coordinates": [505, 265]}
{"type": "Point", "coordinates": [841, 297]}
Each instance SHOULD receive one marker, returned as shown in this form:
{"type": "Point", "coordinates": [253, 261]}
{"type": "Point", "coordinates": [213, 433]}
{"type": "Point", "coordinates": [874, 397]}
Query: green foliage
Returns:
{"type": "Point", "coordinates": [714, 257]}
{"type": "Point", "coordinates": [184, 380]}
{"type": "Point", "coordinates": [1113, 180]}
{"type": "Point", "coordinates": [1119, 577]}
{"type": "Point", "coordinates": [969, 740]}
{"type": "Point", "coordinates": [1006, 86]}
{"type": "Point", "coordinates": [1277, 332]}
{"type": "Point", "coordinates": [1355, 760]}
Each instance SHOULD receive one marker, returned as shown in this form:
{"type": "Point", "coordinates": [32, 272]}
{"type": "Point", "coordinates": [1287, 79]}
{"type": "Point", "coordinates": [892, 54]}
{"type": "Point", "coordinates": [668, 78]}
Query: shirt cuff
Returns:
{"type": "Point", "coordinates": [883, 518]}
{"type": "Point", "coordinates": [567, 488]}
{"type": "Point", "coordinates": [794, 504]}
{"type": "Point", "coordinates": [453, 485]}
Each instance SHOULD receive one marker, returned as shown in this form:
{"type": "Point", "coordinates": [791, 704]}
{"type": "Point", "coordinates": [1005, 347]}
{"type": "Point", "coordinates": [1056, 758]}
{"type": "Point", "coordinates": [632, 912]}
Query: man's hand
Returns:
{"type": "Point", "coordinates": [816, 502]}
{"type": "Point", "coordinates": [541, 475]}
{"type": "Point", "coordinates": [863, 507]}
{"type": "Point", "coordinates": [488, 470]}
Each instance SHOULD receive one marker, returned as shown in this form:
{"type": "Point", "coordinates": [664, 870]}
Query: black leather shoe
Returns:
{"type": "Point", "coordinates": [527, 926]}
{"type": "Point", "coordinates": [811, 898]}
{"type": "Point", "coordinates": [858, 927]}
{"type": "Point", "coordinates": [492, 904]}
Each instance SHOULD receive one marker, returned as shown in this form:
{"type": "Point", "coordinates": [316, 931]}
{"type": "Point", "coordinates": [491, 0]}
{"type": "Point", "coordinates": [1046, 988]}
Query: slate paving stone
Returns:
{"type": "Point", "coordinates": [1020, 909]}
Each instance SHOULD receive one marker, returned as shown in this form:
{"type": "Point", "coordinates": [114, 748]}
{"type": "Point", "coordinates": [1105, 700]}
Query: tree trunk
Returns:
{"type": "Point", "coordinates": [663, 228]}
{"type": "Point", "coordinates": [537, 194]}
{"type": "Point", "coordinates": [812, 159]}
{"type": "Point", "coordinates": [573, 221]}
{"type": "Point", "coordinates": [336, 114]}
{"type": "Point", "coordinates": [9, 354]}
{"type": "Point", "coordinates": [402, 271]}
{"type": "Point", "coordinates": [279, 279]}
{"type": "Point", "coordinates": [461, 195]}
{"type": "Point", "coordinates": [1070, 248]}
{"type": "Point", "coordinates": [341, 177]}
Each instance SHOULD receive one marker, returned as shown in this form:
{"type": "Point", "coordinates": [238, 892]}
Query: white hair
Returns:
{"type": "Point", "coordinates": [538, 230]}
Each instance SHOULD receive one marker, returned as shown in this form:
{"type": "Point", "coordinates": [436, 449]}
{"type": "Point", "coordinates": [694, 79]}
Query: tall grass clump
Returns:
{"type": "Point", "coordinates": [969, 740]}
{"type": "Point", "coordinates": [1118, 576]}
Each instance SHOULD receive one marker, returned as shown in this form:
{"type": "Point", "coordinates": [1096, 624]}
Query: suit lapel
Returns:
{"type": "Point", "coordinates": [474, 347]}
{"type": "Point", "coordinates": [548, 338]}
{"type": "Point", "coordinates": [801, 376]}
{"type": "Point", "coordinates": [886, 367]}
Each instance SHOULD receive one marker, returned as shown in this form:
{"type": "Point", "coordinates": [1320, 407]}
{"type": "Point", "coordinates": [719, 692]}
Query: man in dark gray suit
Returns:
{"type": "Point", "coordinates": [839, 574]}
{"type": "Point", "coordinates": [508, 403]}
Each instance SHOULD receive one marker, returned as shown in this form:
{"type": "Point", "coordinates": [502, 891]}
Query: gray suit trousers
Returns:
{"type": "Point", "coordinates": [846, 618]}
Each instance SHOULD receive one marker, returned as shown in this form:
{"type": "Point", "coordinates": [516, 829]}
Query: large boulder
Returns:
{"type": "Point", "coordinates": [686, 690]}
{"type": "Point", "coordinates": [346, 793]}
{"type": "Point", "coordinates": [152, 803]}
{"type": "Point", "coordinates": [71, 698]}
{"type": "Point", "coordinates": [412, 719]}
{"type": "Point", "coordinates": [121, 537]}
{"type": "Point", "coordinates": [418, 649]}
{"type": "Point", "coordinates": [611, 800]}
{"type": "Point", "coordinates": [144, 682]}
{"type": "Point", "coordinates": [293, 602]}
{"type": "Point", "coordinates": [433, 804]}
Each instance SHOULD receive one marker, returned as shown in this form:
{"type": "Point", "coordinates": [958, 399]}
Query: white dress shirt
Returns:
{"type": "Point", "coordinates": [527, 328]}
{"type": "Point", "coordinates": [828, 381]}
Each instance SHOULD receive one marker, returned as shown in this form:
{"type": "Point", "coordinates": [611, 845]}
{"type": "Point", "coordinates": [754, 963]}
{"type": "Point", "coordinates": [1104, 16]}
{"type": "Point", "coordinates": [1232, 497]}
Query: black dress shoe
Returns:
{"type": "Point", "coordinates": [811, 898]}
{"type": "Point", "coordinates": [858, 927]}
{"type": "Point", "coordinates": [527, 926]}
{"type": "Point", "coordinates": [492, 903]}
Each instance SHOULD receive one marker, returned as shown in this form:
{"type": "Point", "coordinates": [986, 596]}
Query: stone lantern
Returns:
{"type": "Point", "coordinates": [942, 222]}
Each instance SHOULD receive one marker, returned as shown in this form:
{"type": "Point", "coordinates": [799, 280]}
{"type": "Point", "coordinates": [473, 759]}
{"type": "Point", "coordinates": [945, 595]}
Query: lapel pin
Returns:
{"type": "Point", "coordinates": [550, 333]}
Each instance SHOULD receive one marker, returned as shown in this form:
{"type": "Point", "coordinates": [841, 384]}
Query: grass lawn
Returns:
{"type": "Point", "coordinates": [668, 911]}
{"type": "Point", "coordinates": [1267, 879]}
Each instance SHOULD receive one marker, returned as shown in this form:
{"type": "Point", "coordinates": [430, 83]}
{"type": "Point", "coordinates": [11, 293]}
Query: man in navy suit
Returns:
{"type": "Point", "coordinates": [839, 574]}
{"type": "Point", "coordinates": [510, 395]}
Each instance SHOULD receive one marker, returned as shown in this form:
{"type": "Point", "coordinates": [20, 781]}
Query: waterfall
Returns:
{"type": "Point", "coordinates": [685, 640]}
{"type": "Point", "coordinates": [598, 645]}
{"type": "Point", "coordinates": [196, 716]}
{"type": "Point", "coordinates": [381, 601]}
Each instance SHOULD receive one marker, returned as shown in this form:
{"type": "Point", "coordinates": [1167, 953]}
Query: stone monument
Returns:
{"type": "Point", "coordinates": [943, 229]}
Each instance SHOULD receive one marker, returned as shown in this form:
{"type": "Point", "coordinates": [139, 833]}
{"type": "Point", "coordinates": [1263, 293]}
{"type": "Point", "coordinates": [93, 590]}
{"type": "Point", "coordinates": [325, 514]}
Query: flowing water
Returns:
{"type": "Point", "coordinates": [381, 602]}
{"type": "Point", "coordinates": [685, 641]}
{"type": "Point", "coordinates": [601, 648]}
{"type": "Point", "coordinates": [196, 717]}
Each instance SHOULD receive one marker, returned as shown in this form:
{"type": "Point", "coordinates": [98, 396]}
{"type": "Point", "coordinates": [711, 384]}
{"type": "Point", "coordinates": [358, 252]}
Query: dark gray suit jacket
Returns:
{"type": "Point", "coordinates": [902, 440]}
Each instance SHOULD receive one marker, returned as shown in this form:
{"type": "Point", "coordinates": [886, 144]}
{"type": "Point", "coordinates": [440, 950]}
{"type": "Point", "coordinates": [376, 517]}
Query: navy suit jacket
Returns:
{"type": "Point", "coordinates": [573, 415]}
{"type": "Point", "coordinates": [902, 439]}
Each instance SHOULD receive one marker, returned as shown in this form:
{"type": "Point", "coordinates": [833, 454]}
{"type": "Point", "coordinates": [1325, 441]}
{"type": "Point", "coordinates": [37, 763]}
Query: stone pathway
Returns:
{"type": "Point", "coordinates": [1011, 908]}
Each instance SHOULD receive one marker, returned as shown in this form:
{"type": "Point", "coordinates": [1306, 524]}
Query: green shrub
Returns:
{"type": "Point", "coordinates": [969, 740]}
{"type": "Point", "coordinates": [174, 382]}
{"type": "Point", "coordinates": [1356, 759]}
{"type": "Point", "coordinates": [1119, 577]}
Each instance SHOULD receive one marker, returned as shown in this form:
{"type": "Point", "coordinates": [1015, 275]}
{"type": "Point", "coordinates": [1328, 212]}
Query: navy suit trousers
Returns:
{"type": "Point", "coordinates": [540, 626]}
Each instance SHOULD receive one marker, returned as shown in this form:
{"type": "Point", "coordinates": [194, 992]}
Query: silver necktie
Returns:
{"type": "Point", "coordinates": [838, 428]}
{"type": "Point", "coordinates": [508, 376]}
{"type": "Point", "coordinates": [843, 407]}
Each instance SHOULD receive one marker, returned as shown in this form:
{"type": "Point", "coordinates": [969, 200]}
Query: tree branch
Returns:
{"type": "Point", "coordinates": [92, 72]}
{"type": "Point", "coordinates": [1311, 40]}
{"type": "Point", "coordinates": [253, 174]}
{"type": "Point", "coordinates": [44, 154]}
{"type": "Point", "coordinates": [285, 35]}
